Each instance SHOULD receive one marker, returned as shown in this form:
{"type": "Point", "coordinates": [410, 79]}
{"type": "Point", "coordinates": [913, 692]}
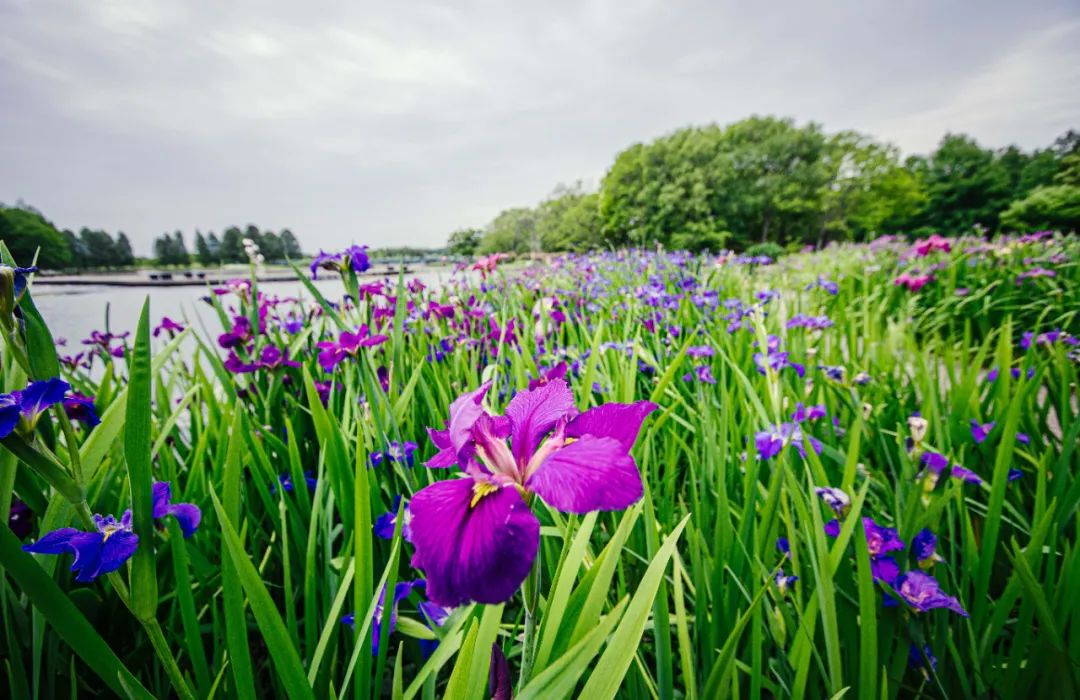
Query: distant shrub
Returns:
{"type": "Point", "coordinates": [773, 250]}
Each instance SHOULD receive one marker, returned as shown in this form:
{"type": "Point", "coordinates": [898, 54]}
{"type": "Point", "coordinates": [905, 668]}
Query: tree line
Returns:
{"type": "Point", "coordinates": [768, 180]}
{"type": "Point", "coordinates": [27, 233]}
{"type": "Point", "coordinates": [171, 249]}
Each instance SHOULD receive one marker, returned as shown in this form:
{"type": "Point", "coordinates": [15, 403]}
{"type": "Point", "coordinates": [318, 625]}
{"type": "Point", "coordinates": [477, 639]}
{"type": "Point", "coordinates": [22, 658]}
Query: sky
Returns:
{"type": "Point", "coordinates": [396, 123]}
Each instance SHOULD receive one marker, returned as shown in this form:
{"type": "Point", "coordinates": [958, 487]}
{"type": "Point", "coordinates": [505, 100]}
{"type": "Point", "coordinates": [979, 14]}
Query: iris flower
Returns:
{"type": "Point", "coordinates": [26, 405]}
{"type": "Point", "coordinates": [112, 543]}
{"type": "Point", "coordinates": [922, 592]}
{"type": "Point", "coordinates": [353, 258]}
{"type": "Point", "coordinates": [384, 524]}
{"type": "Point", "coordinates": [476, 537]}
{"type": "Point", "coordinates": [347, 345]}
{"type": "Point", "coordinates": [401, 592]}
{"type": "Point", "coordinates": [979, 432]}
{"type": "Point", "coordinates": [169, 326]}
{"type": "Point", "coordinates": [924, 547]}
{"type": "Point", "coordinates": [81, 408]}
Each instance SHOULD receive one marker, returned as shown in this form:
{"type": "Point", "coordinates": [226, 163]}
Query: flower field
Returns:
{"type": "Point", "coordinates": [850, 472]}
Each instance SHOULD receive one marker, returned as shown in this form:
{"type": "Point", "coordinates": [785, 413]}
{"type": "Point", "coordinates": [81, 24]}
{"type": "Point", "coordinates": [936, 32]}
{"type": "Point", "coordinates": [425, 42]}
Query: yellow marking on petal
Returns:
{"type": "Point", "coordinates": [569, 441]}
{"type": "Point", "coordinates": [481, 489]}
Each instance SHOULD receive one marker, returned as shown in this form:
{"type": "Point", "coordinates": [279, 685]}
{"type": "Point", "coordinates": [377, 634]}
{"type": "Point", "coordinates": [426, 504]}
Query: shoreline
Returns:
{"type": "Point", "coordinates": [191, 278]}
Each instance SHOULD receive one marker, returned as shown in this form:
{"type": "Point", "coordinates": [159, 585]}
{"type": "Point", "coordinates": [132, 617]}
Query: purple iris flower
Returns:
{"type": "Point", "coordinates": [27, 405]}
{"type": "Point", "coordinates": [353, 258]}
{"type": "Point", "coordinates": [814, 323]}
{"type": "Point", "coordinates": [922, 592]}
{"type": "Point", "coordinates": [770, 442]}
{"type": "Point", "coordinates": [401, 592]}
{"type": "Point", "coordinates": [838, 501]}
{"type": "Point", "coordinates": [272, 358]}
{"type": "Point", "coordinates": [287, 483]}
{"type": "Point", "coordinates": [1049, 338]}
{"type": "Point", "coordinates": [169, 326]}
{"type": "Point", "coordinates": [835, 373]}
{"type": "Point", "coordinates": [384, 524]}
{"type": "Point", "coordinates": [783, 545]}
{"type": "Point", "coordinates": [832, 528]}
{"type": "Point", "coordinates": [395, 452]}
{"type": "Point", "coordinates": [784, 582]}
{"type": "Point", "coordinates": [924, 547]}
{"type": "Point", "coordinates": [348, 344]}
{"type": "Point", "coordinates": [100, 552]}
{"type": "Point", "coordinates": [1023, 438]}
{"type": "Point", "coordinates": [1015, 474]}
{"type": "Point", "coordinates": [702, 373]}
{"type": "Point", "coordinates": [548, 375]}
{"type": "Point", "coordinates": [958, 472]}
{"type": "Point", "coordinates": [699, 351]}
{"type": "Point", "coordinates": [187, 515]}
{"type": "Point", "coordinates": [20, 518]}
{"type": "Point", "coordinates": [935, 462]}
{"type": "Point", "coordinates": [884, 570]}
{"type": "Point", "coordinates": [18, 277]}
{"type": "Point", "coordinates": [476, 537]}
{"type": "Point", "coordinates": [979, 431]}
{"type": "Point", "coordinates": [880, 539]}
{"type": "Point", "coordinates": [921, 659]}
{"type": "Point", "coordinates": [81, 408]}
{"type": "Point", "coordinates": [803, 413]}
{"type": "Point", "coordinates": [776, 360]}
{"type": "Point", "coordinates": [829, 286]}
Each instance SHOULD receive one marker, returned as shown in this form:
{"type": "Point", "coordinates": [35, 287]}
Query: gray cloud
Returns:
{"type": "Point", "coordinates": [386, 125]}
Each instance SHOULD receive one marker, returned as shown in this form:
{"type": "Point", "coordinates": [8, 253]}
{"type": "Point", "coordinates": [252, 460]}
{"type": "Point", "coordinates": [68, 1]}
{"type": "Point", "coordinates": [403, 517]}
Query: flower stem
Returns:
{"type": "Point", "coordinates": [153, 629]}
{"type": "Point", "coordinates": [530, 592]}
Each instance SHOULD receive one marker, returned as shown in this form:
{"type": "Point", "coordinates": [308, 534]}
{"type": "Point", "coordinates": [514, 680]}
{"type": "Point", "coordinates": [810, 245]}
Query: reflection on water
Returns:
{"type": "Point", "coordinates": [73, 312]}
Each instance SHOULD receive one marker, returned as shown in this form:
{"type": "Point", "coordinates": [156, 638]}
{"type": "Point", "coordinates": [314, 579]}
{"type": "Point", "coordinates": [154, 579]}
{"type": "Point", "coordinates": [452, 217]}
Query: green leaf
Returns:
{"type": "Point", "coordinates": [64, 617]}
{"type": "Point", "coordinates": [144, 593]}
{"type": "Point", "coordinates": [608, 674]}
{"type": "Point", "coordinates": [286, 659]}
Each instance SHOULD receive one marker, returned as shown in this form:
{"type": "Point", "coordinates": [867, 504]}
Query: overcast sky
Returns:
{"type": "Point", "coordinates": [390, 125]}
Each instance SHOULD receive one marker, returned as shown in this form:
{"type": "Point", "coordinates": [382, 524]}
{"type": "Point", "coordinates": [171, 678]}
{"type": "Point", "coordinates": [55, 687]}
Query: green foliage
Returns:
{"type": "Point", "coordinates": [512, 231]}
{"type": "Point", "coordinates": [30, 236]}
{"type": "Point", "coordinates": [464, 242]}
{"type": "Point", "coordinates": [1056, 207]}
{"type": "Point", "coordinates": [770, 249]}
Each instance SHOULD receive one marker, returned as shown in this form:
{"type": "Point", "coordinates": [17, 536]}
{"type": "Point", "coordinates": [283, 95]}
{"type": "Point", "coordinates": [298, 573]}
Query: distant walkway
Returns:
{"type": "Point", "coordinates": [196, 278]}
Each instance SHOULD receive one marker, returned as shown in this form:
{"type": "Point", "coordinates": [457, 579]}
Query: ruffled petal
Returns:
{"type": "Point", "coordinates": [474, 545]}
{"type": "Point", "coordinates": [621, 421]}
{"type": "Point", "coordinates": [534, 413]}
{"type": "Point", "coordinates": [38, 396]}
{"type": "Point", "coordinates": [116, 550]}
{"type": "Point", "coordinates": [55, 542]}
{"type": "Point", "coordinates": [593, 473]}
{"type": "Point", "coordinates": [464, 412]}
{"type": "Point", "coordinates": [447, 455]}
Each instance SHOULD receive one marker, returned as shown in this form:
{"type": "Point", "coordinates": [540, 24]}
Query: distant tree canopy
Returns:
{"type": "Point", "coordinates": [767, 179]}
{"type": "Point", "coordinates": [27, 233]}
{"type": "Point", "coordinates": [170, 249]}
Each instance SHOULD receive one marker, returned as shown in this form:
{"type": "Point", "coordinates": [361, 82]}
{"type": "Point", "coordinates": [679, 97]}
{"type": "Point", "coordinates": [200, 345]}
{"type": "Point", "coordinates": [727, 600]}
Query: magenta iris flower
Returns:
{"type": "Point", "coordinates": [476, 537]}
{"type": "Point", "coordinates": [925, 246]}
{"type": "Point", "coordinates": [348, 345]}
{"type": "Point", "coordinates": [923, 592]}
{"type": "Point", "coordinates": [549, 375]}
{"type": "Point", "coordinates": [169, 326]}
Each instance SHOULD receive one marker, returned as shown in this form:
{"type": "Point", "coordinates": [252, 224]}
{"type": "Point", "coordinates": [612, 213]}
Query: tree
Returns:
{"type": "Point", "coordinates": [569, 220]}
{"type": "Point", "coordinates": [464, 242]}
{"type": "Point", "coordinates": [164, 251]}
{"type": "Point", "coordinates": [271, 247]}
{"type": "Point", "coordinates": [291, 246]}
{"type": "Point", "coordinates": [232, 246]}
{"type": "Point", "coordinates": [1055, 207]}
{"type": "Point", "coordinates": [512, 231]}
{"type": "Point", "coordinates": [125, 256]}
{"type": "Point", "coordinates": [214, 246]}
{"type": "Point", "coordinates": [100, 248]}
{"type": "Point", "coordinates": [202, 249]}
{"type": "Point", "coordinates": [180, 251]}
{"type": "Point", "coordinates": [28, 234]}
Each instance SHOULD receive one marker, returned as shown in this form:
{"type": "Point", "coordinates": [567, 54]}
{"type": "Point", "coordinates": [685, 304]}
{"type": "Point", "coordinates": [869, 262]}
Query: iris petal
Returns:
{"type": "Point", "coordinates": [593, 473]}
{"type": "Point", "coordinates": [621, 421]}
{"type": "Point", "coordinates": [534, 413]}
{"type": "Point", "coordinates": [469, 552]}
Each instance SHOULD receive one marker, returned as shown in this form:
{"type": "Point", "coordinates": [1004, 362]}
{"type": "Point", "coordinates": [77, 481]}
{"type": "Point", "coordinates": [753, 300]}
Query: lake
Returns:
{"type": "Point", "coordinates": [72, 312]}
